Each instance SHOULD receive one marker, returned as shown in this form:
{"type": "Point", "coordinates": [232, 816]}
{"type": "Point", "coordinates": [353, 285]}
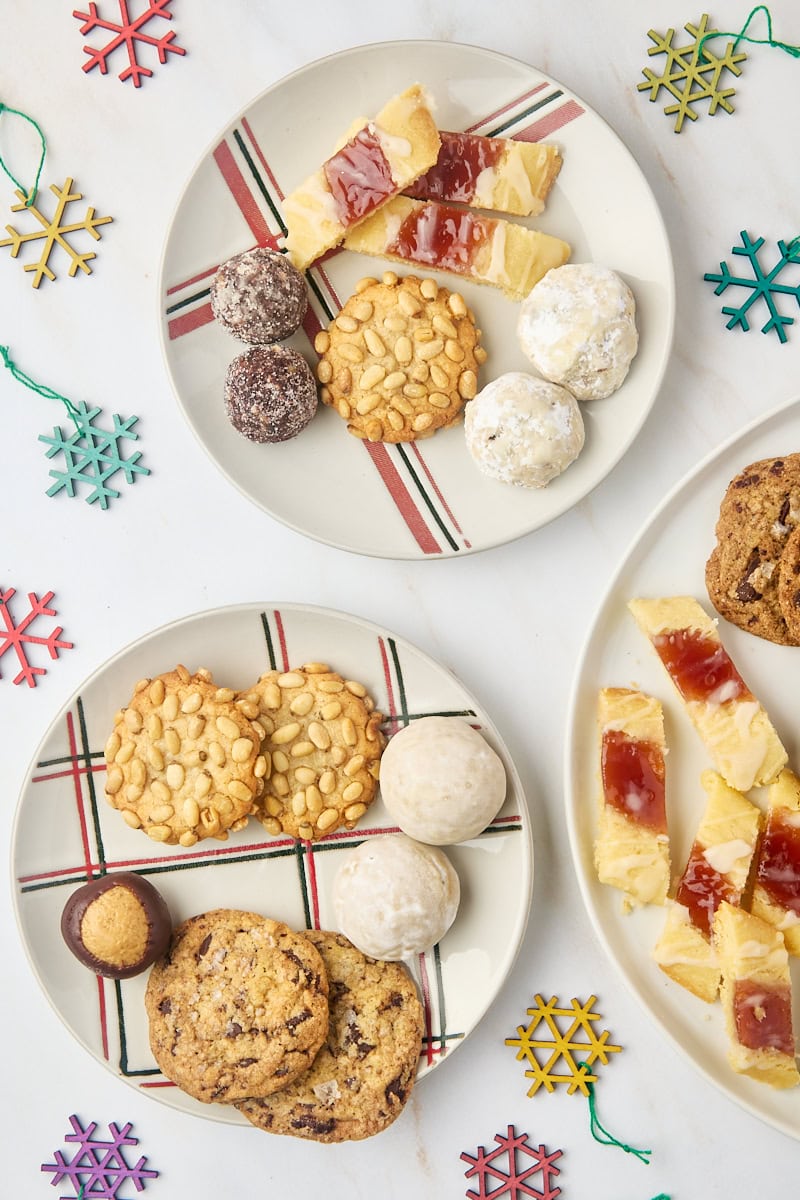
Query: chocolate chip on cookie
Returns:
{"type": "Point", "coordinates": [237, 1007]}
{"type": "Point", "coordinates": [759, 511]}
{"type": "Point", "coordinates": [183, 761]}
{"type": "Point", "coordinates": [363, 1075]}
{"type": "Point", "coordinates": [322, 747]}
{"type": "Point", "coordinates": [400, 360]}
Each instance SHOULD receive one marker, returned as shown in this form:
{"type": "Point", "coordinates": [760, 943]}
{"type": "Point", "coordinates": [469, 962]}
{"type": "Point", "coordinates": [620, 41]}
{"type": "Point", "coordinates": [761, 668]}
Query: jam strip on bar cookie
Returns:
{"type": "Point", "coordinates": [716, 870]}
{"type": "Point", "coordinates": [756, 997]}
{"type": "Point", "coordinates": [488, 172]}
{"type": "Point", "coordinates": [477, 247]}
{"type": "Point", "coordinates": [735, 729]}
{"type": "Point", "coordinates": [376, 162]}
{"type": "Point", "coordinates": [776, 891]}
{"type": "Point", "coordinates": [631, 850]}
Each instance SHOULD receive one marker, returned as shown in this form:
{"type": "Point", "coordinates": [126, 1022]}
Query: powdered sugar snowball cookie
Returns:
{"type": "Point", "coordinates": [270, 393]}
{"type": "Point", "coordinates": [394, 897]}
{"type": "Point", "coordinates": [578, 328]}
{"type": "Point", "coordinates": [259, 296]}
{"type": "Point", "coordinates": [523, 430]}
{"type": "Point", "coordinates": [441, 781]}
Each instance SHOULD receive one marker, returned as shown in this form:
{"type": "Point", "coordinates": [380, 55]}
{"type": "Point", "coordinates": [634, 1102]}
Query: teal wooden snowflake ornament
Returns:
{"type": "Point", "coordinates": [692, 74]}
{"type": "Point", "coordinates": [764, 284]}
{"type": "Point", "coordinates": [93, 457]}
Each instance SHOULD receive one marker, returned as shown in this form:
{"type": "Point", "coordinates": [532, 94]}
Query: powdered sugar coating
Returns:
{"type": "Point", "coordinates": [394, 897]}
{"type": "Point", "coordinates": [441, 781]}
{"type": "Point", "coordinates": [259, 296]}
{"type": "Point", "coordinates": [523, 430]}
{"type": "Point", "coordinates": [270, 393]}
{"type": "Point", "coordinates": [578, 328]}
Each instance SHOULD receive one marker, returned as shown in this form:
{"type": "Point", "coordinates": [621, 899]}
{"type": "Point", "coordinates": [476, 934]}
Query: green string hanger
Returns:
{"type": "Point", "coordinates": [769, 40]}
{"type": "Point", "coordinates": [30, 195]}
{"type": "Point", "coordinates": [41, 388]}
{"type": "Point", "coordinates": [600, 1134]}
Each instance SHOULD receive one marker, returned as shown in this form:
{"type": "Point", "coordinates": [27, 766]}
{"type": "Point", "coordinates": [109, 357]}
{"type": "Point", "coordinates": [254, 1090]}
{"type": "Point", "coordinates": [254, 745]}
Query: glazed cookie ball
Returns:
{"type": "Point", "coordinates": [578, 328]}
{"type": "Point", "coordinates": [117, 925]}
{"type": "Point", "coordinates": [270, 393]}
{"type": "Point", "coordinates": [258, 296]}
{"type": "Point", "coordinates": [523, 430]}
{"type": "Point", "coordinates": [394, 897]}
{"type": "Point", "coordinates": [441, 781]}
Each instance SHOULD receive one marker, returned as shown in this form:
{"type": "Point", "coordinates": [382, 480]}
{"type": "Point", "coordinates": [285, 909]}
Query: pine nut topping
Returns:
{"type": "Point", "coordinates": [286, 733]}
{"type": "Point", "coordinates": [133, 719]}
{"type": "Point", "coordinates": [290, 679]}
{"type": "Point", "coordinates": [374, 343]}
{"type": "Point", "coordinates": [319, 735]}
{"type": "Point", "coordinates": [156, 692]}
{"type": "Point", "coordinates": [227, 727]}
{"type": "Point", "coordinates": [328, 818]}
{"type": "Point", "coordinates": [351, 353]}
{"type": "Point", "coordinates": [322, 341]}
{"type": "Point", "coordinates": [241, 750]}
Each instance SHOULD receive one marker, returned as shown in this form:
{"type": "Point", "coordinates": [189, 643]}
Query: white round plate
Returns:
{"type": "Point", "coordinates": [423, 499]}
{"type": "Point", "coordinates": [65, 833]}
{"type": "Point", "coordinates": [667, 559]}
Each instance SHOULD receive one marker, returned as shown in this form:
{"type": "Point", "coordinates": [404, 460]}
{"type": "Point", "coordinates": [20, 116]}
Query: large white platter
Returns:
{"type": "Point", "coordinates": [668, 558]}
{"type": "Point", "coordinates": [425, 499]}
{"type": "Point", "coordinates": [65, 833]}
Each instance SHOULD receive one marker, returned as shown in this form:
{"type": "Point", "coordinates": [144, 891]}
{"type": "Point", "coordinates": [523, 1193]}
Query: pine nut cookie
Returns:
{"type": "Point", "coordinates": [322, 747]}
{"type": "Point", "coordinates": [400, 360]}
{"type": "Point", "coordinates": [183, 761]}
{"type": "Point", "coordinates": [237, 1007]}
{"type": "Point", "coordinates": [364, 1073]}
{"type": "Point", "coordinates": [759, 510]}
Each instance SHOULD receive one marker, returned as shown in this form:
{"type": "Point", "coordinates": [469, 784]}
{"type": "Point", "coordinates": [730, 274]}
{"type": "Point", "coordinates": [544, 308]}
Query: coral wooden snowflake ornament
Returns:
{"type": "Point", "coordinates": [509, 1169]}
{"type": "Point", "coordinates": [554, 1041]}
{"type": "Point", "coordinates": [54, 233]}
{"type": "Point", "coordinates": [16, 635]}
{"type": "Point", "coordinates": [692, 74]}
{"type": "Point", "coordinates": [128, 32]}
{"type": "Point", "coordinates": [765, 284]}
{"type": "Point", "coordinates": [99, 1168]}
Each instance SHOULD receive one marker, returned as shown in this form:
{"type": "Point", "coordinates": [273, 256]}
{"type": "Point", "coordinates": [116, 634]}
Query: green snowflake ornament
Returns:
{"type": "Point", "coordinates": [93, 456]}
{"type": "Point", "coordinates": [692, 74]}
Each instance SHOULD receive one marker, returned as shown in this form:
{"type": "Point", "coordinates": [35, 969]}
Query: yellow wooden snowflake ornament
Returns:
{"type": "Point", "coordinates": [54, 232]}
{"type": "Point", "coordinates": [560, 1044]}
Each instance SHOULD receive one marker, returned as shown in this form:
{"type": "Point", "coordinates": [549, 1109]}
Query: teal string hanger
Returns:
{"type": "Point", "coordinates": [92, 456]}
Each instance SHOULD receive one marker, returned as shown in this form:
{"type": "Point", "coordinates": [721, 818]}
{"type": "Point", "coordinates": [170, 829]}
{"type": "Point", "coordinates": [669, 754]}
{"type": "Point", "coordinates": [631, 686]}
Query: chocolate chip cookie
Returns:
{"type": "Point", "coordinates": [789, 584]}
{"type": "Point", "coordinates": [237, 1007]}
{"type": "Point", "coordinates": [183, 762]}
{"type": "Point", "coordinates": [363, 1075]}
{"type": "Point", "coordinates": [758, 512]}
{"type": "Point", "coordinates": [400, 360]}
{"type": "Point", "coordinates": [322, 746]}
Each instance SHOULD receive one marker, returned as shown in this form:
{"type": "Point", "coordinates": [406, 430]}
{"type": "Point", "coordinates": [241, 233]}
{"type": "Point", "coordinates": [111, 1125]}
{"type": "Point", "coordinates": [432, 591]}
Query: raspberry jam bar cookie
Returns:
{"type": "Point", "coordinates": [490, 172]}
{"type": "Point", "coordinates": [375, 163]}
{"type": "Point", "coordinates": [756, 997]}
{"type": "Point", "coordinates": [477, 247]}
{"type": "Point", "coordinates": [632, 847]}
{"type": "Point", "coordinates": [735, 729]}
{"type": "Point", "coordinates": [716, 870]}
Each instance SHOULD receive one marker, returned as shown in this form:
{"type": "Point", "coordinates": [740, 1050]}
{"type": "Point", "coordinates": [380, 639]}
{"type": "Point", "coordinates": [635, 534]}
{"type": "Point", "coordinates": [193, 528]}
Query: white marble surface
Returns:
{"type": "Point", "coordinates": [184, 540]}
